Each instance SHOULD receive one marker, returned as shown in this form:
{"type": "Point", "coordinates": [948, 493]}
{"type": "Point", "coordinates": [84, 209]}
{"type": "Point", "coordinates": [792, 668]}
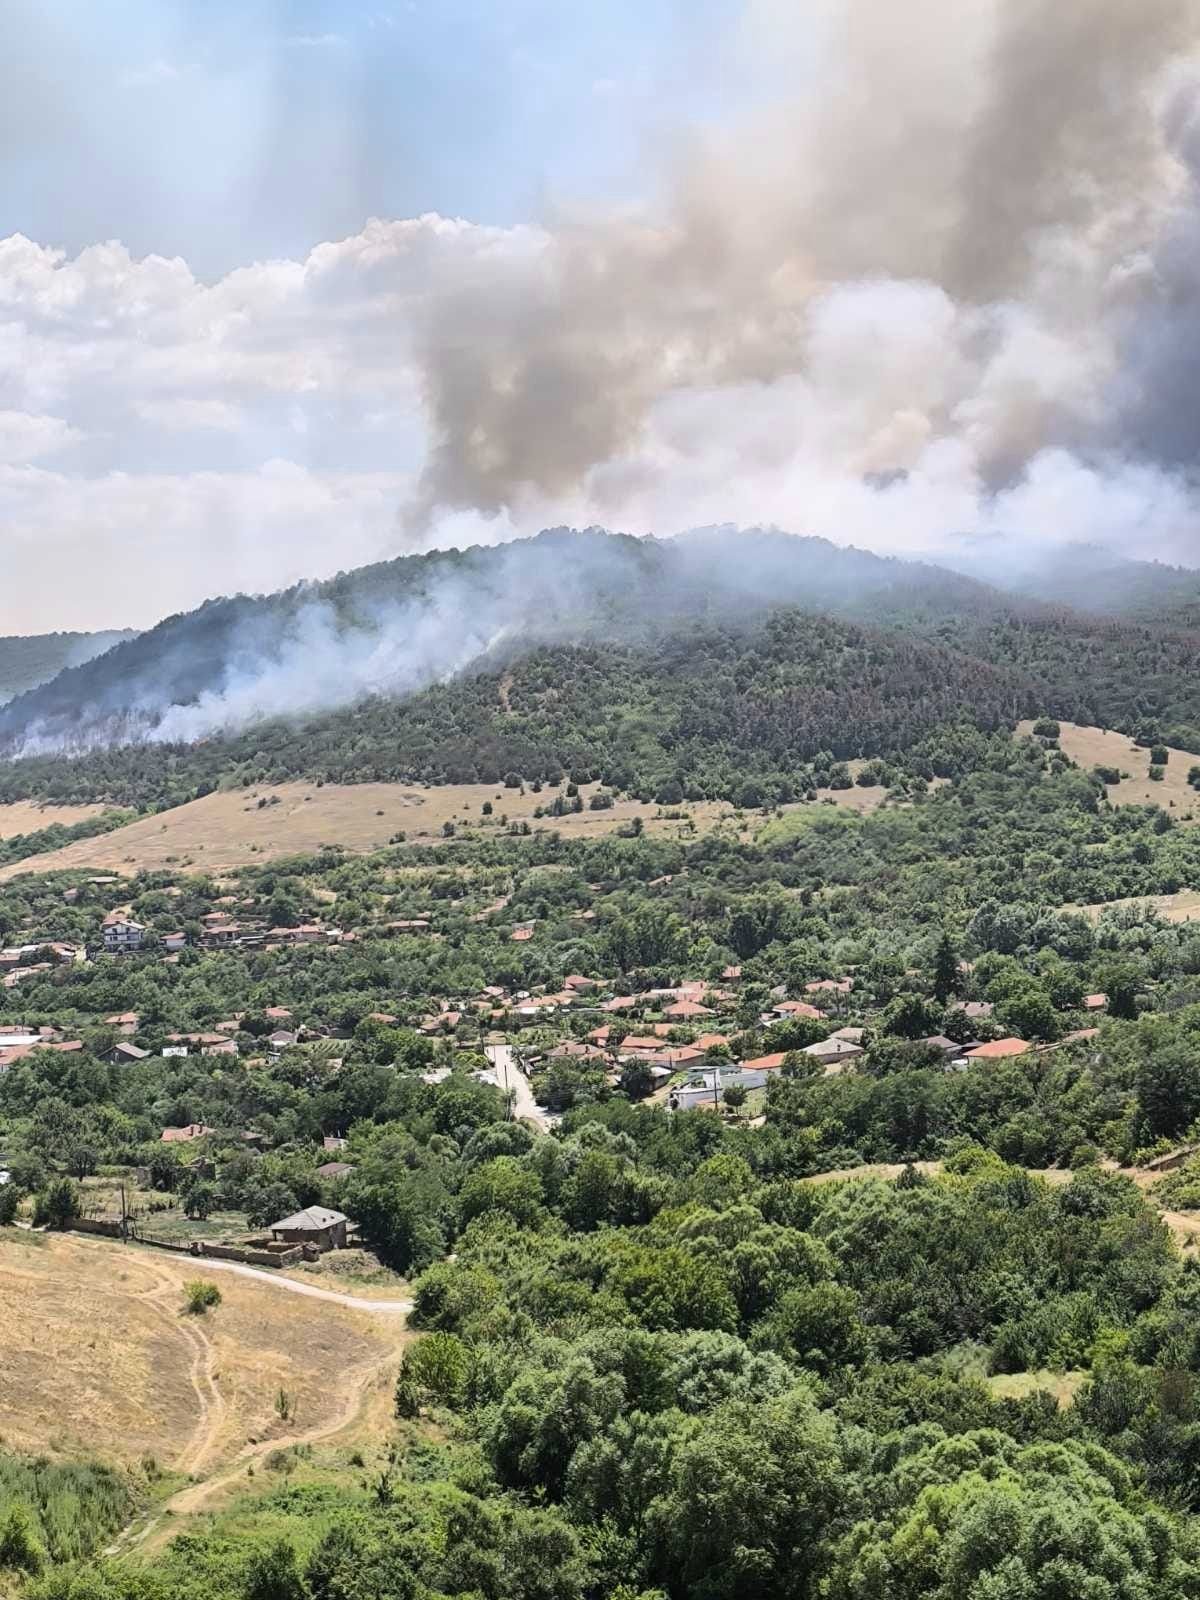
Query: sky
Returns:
{"type": "Point", "coordinates": [288, 287]}
{"type": "Point", "coordinates": [199, 387]}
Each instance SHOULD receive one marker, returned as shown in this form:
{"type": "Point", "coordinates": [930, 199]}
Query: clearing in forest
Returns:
{"type": "Point", "coordinates": [100, 1358]}
{"type": "Point", "coordinates": [243, 827]}
{"type": "Point", "coordinates": [31, 816]}
{"type": "Point", "coordinates": [1094, 747]}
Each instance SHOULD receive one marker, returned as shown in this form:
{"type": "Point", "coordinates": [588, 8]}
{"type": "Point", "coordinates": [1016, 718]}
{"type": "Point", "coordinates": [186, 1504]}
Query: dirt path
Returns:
{"type": "Point", "coordinates": [197, 1497]}
{"type": "Point", "coordinates": [353, 1302]}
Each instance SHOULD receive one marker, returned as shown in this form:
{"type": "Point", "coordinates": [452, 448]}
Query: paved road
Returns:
{"type": "Point", "coordinates": [508, 1075]}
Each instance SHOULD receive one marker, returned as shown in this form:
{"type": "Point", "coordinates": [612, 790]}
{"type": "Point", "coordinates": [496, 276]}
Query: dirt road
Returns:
{"type": "Point", "coordinates": [353, 1302]}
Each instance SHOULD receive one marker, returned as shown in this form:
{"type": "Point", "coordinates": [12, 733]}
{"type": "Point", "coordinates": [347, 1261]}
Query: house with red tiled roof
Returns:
{"type": "Point", "coordinates": [787, 1009]}
{"type": "Point", "coordinates": [771, 1063]}
{"type": "Point", "coordinates": [997, 1049]}
{"type": "Point", "coordinates": [684, 1010]}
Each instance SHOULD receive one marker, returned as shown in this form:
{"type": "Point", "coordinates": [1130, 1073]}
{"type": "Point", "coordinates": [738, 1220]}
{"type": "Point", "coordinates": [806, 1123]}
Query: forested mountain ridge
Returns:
{"type": "Point", "coordinates": [715, 664]}
{"type": "Point", "coordinates": [401, 625]}
{"type": "Point", "coordinates": [27, 661]}
{"type": "Point", "coordinates": [715, 712]}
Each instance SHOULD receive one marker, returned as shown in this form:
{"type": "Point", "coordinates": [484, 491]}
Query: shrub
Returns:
{"type": "Point", "coordinates": [198, 1296]}
{"type": "Point", "coordinates": [56, 1206]}
{"type": "Point", "coordinates": [19, 1549]}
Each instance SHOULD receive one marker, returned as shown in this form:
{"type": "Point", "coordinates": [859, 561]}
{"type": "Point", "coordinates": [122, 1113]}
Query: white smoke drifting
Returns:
{"type": "Point", "coordinates": [951, 285]}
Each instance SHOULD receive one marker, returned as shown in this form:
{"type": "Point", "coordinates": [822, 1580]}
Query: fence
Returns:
{"type": "Point", "coordinates": [293, 1256]}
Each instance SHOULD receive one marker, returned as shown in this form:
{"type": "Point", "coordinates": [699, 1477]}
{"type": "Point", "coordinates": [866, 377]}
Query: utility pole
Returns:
{"type": "Point", "coordinates": [124, 1218]}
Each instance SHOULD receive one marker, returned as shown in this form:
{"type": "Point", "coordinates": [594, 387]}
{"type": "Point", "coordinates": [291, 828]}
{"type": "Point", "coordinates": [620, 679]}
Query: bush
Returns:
{"type": "Point", "coordinates": [10, 1199]}
{"type": "Point", "coordinates": [1046, 728]}
{"type": "Point", "coordinates": [198, 1296]}
{"type": "Point", "coordinates": [1156, 774]}
{"type": "Point", "coordinates": [1160, 755]}
{"type": "Point", "coordinates": [57, 1206]}
{"type": "Point", "coordinates": [19, 1549]}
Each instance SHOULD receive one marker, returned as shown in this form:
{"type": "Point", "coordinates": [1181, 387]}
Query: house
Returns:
{"type": "Point", "coordinates": [334, 1171]}
{"type": "Point", "coordinates": [939, 1042]}
{"type": "Point", "coordinates": [384, 1018]}
{"type": "Point", "coordinates": [638, 1044]}
{"type": "Point", "coordinates": [855, 1035]}
{"type": "Point", "coordinates": [315, 1225]}
{"type": "Point", "coordinates": [278, 1013]}
{"type": "Point", "coordinates": [623, 1002]}
{"type": "Point", "coordinates": [830, 986]}
{"type": "Point", "coordinates": [193, 1130]}
{"type": "Point", "coordinates": [1095, 1002]}
{"type": "Point", "coordinates": [705, 1090]}
{"type": "Point", "coordinates": [786, 1010]}
{"type": "Point", "coordinates": [577, 981]}
{"type": "Point", "coordinates": [685, 1010]}
{"type": "Point", "coordinates": [771, 1063]}
{"type": "Point", "coordinates": [573, 1050]}
{"type": "Point", "coordinates": [281, 1039]}
{"type": "Point", "coordinates": [997, 1049]}
{"type": "Point", "coordinates": [124, 1022]}
{"type": "Point", "coordinates": [731, 974]}
{"type": "Point", "coordinates": [831, 1052]}
{"type": "Point", "coordinates": [334, 1141]}
{"type": "Point", "coordinates": [123, 1052]}
{"type": "Point", "coordinates": [520, 935]}
{"type": "Point", "coordinates": [121, 935]}
{"type": "Point", "coordinates": [710, 1041]}
{"type": "Point", "coordinates": [174, 942]}
{"type": "Point", "coordinates": [977, 1008]}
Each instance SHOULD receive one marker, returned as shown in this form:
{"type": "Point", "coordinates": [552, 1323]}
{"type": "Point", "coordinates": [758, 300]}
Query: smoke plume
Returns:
{"type": "Point", "coordinates": [958, 266]}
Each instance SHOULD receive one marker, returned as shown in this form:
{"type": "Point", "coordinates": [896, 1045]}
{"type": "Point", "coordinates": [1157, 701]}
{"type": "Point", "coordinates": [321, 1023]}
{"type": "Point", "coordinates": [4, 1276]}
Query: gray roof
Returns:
{"type": "Point", "coordinates": [314, 1219]}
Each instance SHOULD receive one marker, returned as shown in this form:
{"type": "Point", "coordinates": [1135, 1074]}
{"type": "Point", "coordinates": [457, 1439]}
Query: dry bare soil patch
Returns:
{"type": "Point", "coordinates": [1093, 747]}
{"type": "Point", "coordinates": [99, 1357]}
{"type": "Point", "coordinates": [231, 829]}
{"type": "Point", "coordinates": [30, 816]}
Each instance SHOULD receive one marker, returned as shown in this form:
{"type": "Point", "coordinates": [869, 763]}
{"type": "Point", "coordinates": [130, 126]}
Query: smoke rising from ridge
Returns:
{"type": "Point", "coordinates": [960, 263]}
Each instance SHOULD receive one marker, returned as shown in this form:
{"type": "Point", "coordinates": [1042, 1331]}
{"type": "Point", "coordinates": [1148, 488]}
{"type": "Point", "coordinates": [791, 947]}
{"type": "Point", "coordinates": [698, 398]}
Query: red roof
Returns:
{"type": "Point", "coordinates": [770, 1063]}
{"type": "Point", "coordinates": [798, 1008]}
{"type": "Point", "coordinates": [687, 1008]}
{"type": "Point", "coordinates": [998, 1047]}
{"type": "Point", "coordinates": [1095, 1002]}
{"type": "Point", "coordinates": [521, 934]}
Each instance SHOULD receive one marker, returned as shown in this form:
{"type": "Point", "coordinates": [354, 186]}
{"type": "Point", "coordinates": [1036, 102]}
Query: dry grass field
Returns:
{"type": "Point", "coordinates": [231, 829]}
{"type": "Point", "coordinates": [99, 1357]}
{"type": "Point", "coordinates": [1093, 747]}
{"type": "Point", "coordinates": [1181, 907]}
{"type": "Point", "coordinates": [29, 816]}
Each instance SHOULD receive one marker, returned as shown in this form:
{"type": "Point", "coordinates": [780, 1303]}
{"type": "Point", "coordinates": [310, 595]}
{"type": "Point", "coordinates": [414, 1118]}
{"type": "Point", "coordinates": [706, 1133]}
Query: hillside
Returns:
{"type": "Point", "coordinates": [27, 662]}
{"type": "Point", "coordinates": [712, 712]}
{"type": "Point", "coordinates": [402, 625]}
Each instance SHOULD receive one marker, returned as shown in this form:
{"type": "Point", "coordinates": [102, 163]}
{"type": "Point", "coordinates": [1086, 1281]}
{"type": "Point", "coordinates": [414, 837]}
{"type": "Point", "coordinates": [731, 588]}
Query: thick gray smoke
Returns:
{"type": "Point", "coordinates": [962, 260]}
